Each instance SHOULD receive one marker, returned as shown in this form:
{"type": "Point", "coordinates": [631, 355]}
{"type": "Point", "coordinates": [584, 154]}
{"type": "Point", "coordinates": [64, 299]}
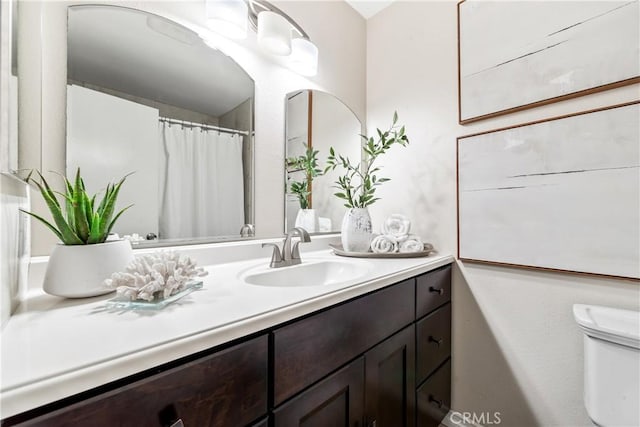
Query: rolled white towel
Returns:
{"type": "Point", "coordinates": [397, 226]}
{"type": "Point", "coordinates": [383, 245]}
{"type": "Point", "coordinates": [411, 244]}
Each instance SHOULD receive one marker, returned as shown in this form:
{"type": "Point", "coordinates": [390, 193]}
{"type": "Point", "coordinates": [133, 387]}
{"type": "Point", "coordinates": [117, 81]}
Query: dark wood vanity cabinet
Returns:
{"type": "Point", "coordinates": [400, 334]}
{"type": "Point", "coordinates": [378, 360]}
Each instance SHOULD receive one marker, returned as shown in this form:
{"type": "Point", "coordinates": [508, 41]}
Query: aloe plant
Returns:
{"type": "Point", "coordinates": [82, 222]}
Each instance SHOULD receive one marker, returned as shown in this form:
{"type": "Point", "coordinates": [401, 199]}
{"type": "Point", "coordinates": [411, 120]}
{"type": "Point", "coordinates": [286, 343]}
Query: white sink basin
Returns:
{"type": "Point", "coordinates": [308, 273]}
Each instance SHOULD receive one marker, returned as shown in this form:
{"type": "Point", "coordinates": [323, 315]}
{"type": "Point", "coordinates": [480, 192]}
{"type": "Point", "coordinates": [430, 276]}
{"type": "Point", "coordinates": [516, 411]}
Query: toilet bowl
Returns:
{"type": "Point", "coordinates": [611, 364]}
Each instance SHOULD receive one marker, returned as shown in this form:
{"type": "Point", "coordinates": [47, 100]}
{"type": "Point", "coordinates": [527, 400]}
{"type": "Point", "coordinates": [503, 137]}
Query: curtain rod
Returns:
{"type": "Point", "coordinates": [202, 126]}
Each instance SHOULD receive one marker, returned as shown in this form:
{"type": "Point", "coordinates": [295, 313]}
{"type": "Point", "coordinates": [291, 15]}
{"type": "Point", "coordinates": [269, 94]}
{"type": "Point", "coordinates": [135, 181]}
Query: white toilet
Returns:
{"type": "Point", "coordinates": [611, 364]}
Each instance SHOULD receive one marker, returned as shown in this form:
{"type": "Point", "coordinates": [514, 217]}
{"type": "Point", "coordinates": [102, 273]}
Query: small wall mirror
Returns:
{"type": "Point", "coordinates": [316, 121]}
{"type": "Point", "coordinates": [147, 95]}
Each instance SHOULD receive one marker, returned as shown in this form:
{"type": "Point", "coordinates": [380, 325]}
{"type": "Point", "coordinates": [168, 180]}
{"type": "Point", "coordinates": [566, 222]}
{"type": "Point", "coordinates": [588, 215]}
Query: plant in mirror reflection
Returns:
{"type": "Point", "coordinates": [358, 184]}
{"type": "Point", "coordinates": [308, 165]}
{"type": "Point", "coordinates": [83, 222]}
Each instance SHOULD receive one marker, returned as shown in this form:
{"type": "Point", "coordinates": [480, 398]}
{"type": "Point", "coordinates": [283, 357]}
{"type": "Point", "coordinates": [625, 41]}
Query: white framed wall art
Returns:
{"type": "Point", "coordinates": [515, 55]}
{"type": "Point", "coordinates": [560, 194]}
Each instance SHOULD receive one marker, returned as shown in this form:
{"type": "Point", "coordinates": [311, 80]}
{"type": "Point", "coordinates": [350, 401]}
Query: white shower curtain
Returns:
{"type": "Point", "coordinates": [201, 183]}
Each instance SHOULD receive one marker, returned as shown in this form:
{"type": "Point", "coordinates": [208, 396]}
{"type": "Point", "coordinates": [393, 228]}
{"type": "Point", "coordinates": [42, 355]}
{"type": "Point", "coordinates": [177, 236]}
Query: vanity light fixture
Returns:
{"type": "Point", "coordinates": [274, 33]}
{"type": "Point", "coordinates": [278, 34]}
{"type": "Point", "coordinates": [228, 17]}
{"type": "Point", "coordinates": [304, 57]}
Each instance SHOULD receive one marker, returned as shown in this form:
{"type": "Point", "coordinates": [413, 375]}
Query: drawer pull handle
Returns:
{"type": "Point", "coordinates": [178, 423]}
{"type": "Point", "coordinates": [436, 401]}
{"type": "Point", "coordinates": [438, 342]}
{"type": "Point", "coordinates": [438, 291]}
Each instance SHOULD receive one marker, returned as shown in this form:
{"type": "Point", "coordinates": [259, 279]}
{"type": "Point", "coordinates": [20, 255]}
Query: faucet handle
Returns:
{"type": "Point", "coordinates": [276, 257]}
{"type": "Point", "coordinates": [304, 235]}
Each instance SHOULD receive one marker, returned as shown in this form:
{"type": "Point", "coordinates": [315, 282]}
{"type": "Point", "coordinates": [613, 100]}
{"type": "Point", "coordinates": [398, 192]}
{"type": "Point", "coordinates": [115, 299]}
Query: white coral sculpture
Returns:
{"type": "Point", "coordinates": [157, 275]}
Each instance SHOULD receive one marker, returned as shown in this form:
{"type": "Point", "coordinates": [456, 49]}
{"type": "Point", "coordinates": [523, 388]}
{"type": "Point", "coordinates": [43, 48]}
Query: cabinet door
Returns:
{"type": "Point", "coordinates": [390, 381]}
{"type": "Point", "coordinates": [336, 401]}
{"type": "Point", "coordinates": [228, 388]}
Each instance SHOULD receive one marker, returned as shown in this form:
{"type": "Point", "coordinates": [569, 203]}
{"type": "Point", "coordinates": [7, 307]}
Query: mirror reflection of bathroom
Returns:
{"type": "Point", "coordinates": [147, 95]}
{"type": "Point", "coordinates": [316, 121]}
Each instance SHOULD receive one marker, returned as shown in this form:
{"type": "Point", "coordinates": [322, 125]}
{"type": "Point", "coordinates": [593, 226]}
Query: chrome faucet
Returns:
{"type": "Point", "coordinates": [290, 255]}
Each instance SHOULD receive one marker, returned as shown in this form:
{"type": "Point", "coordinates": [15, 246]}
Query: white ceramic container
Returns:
{"type": "Point", "coordinates": [356, 230]}
{"type": "Point", "coordinates": [78, 271]}
{"type": "Point", "coordinates": [307, 219]}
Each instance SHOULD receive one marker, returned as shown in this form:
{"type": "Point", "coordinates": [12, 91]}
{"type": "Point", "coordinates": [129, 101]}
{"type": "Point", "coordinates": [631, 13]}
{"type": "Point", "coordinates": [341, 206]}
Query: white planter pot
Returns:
{"type": "Point", "coordinates": [356, 230]}
{"type": "Point", "coordinates": [78, 271]}
{"type": "Point", "coordinates": [307, 219]}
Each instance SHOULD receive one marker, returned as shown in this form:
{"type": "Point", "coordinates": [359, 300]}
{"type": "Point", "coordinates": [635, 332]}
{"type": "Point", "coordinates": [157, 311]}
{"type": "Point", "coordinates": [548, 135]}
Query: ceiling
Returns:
{"type": "Point", "coordinates": [150, 57]}
{"type": "Point", "coordinates": [368, 8]}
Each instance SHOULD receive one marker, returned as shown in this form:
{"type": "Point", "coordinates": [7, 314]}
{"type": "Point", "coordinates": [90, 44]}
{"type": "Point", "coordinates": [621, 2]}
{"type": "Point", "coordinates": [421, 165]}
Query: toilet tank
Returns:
{"type": "Point", "coordinates": [611, 364]}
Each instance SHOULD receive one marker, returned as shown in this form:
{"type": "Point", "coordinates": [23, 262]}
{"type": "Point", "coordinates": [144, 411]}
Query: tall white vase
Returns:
{"type": "Point", "coordinates": [78, 271]}
{"type": "Point", "coordinates": [356, 230]}
{"type": "Point", "coordinates": [307, 219]}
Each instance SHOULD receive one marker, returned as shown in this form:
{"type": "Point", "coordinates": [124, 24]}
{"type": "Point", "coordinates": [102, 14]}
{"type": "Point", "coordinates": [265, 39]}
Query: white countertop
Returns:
{"type": "Point", "coordinates": [53, 348]}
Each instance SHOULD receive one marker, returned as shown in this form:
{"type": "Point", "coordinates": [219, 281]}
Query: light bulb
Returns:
{"type": "Point", "coordinates": [228, 17]}
{"type": "Point", "coordinates": [304, 57]}
{"type": "Point", "coordinates": [274, 33]}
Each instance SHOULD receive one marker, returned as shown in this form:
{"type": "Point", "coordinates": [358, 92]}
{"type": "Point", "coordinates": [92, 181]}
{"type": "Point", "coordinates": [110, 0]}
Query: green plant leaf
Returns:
{"type": "Point", "coordinates": [68, 236]}
{"type": "Point", "coordinates": [45, 189]}
{"type": "Point", "coordinates": [46, 223]}
{"type": "Point", "coordinates": [115, 218]}
{"type": "Point", "coordinates": [109, 207]}
{"type": "Point", "coordinates": [81, 223]}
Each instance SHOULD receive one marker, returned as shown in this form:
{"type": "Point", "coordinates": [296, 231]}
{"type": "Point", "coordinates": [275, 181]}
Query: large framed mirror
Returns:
{"type": "Point", "coordinates": [149, 96]}
{"type": "Point", "coordinates": [316, 121]}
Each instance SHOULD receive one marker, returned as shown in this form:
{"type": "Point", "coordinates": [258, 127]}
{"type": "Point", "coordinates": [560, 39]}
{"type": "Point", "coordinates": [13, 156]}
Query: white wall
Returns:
{"type": "Point", "coordinates": [516, 348]}
{"type": "Point", "coordinates": [341, 71]}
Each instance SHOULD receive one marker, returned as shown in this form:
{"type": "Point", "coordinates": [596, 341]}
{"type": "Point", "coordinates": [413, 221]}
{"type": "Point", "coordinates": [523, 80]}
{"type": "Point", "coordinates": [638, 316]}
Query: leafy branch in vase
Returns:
{"type": "Point", "coordinates": [360, 180]}
{"type": "Point", "coordinates": [308, 164]}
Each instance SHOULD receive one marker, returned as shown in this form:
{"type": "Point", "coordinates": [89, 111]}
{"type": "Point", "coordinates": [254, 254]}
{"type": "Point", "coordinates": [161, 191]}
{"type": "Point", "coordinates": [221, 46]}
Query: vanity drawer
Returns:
{"type": "Point", "coordinates": [433, 335]}
{"type": "Point", "coordinates": [433, 289]}
{"type": "Point", "coordinates": [309, 349]}
{"type": "Point", "coordinates": [434, 397]}
{"type": "Point", "coordinates": [228, 388]}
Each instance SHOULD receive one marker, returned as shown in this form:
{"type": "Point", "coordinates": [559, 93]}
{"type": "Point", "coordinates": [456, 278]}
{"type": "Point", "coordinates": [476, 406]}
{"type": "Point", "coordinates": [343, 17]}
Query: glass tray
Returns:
{"type": "Point", "coordinates": [124, 303]}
